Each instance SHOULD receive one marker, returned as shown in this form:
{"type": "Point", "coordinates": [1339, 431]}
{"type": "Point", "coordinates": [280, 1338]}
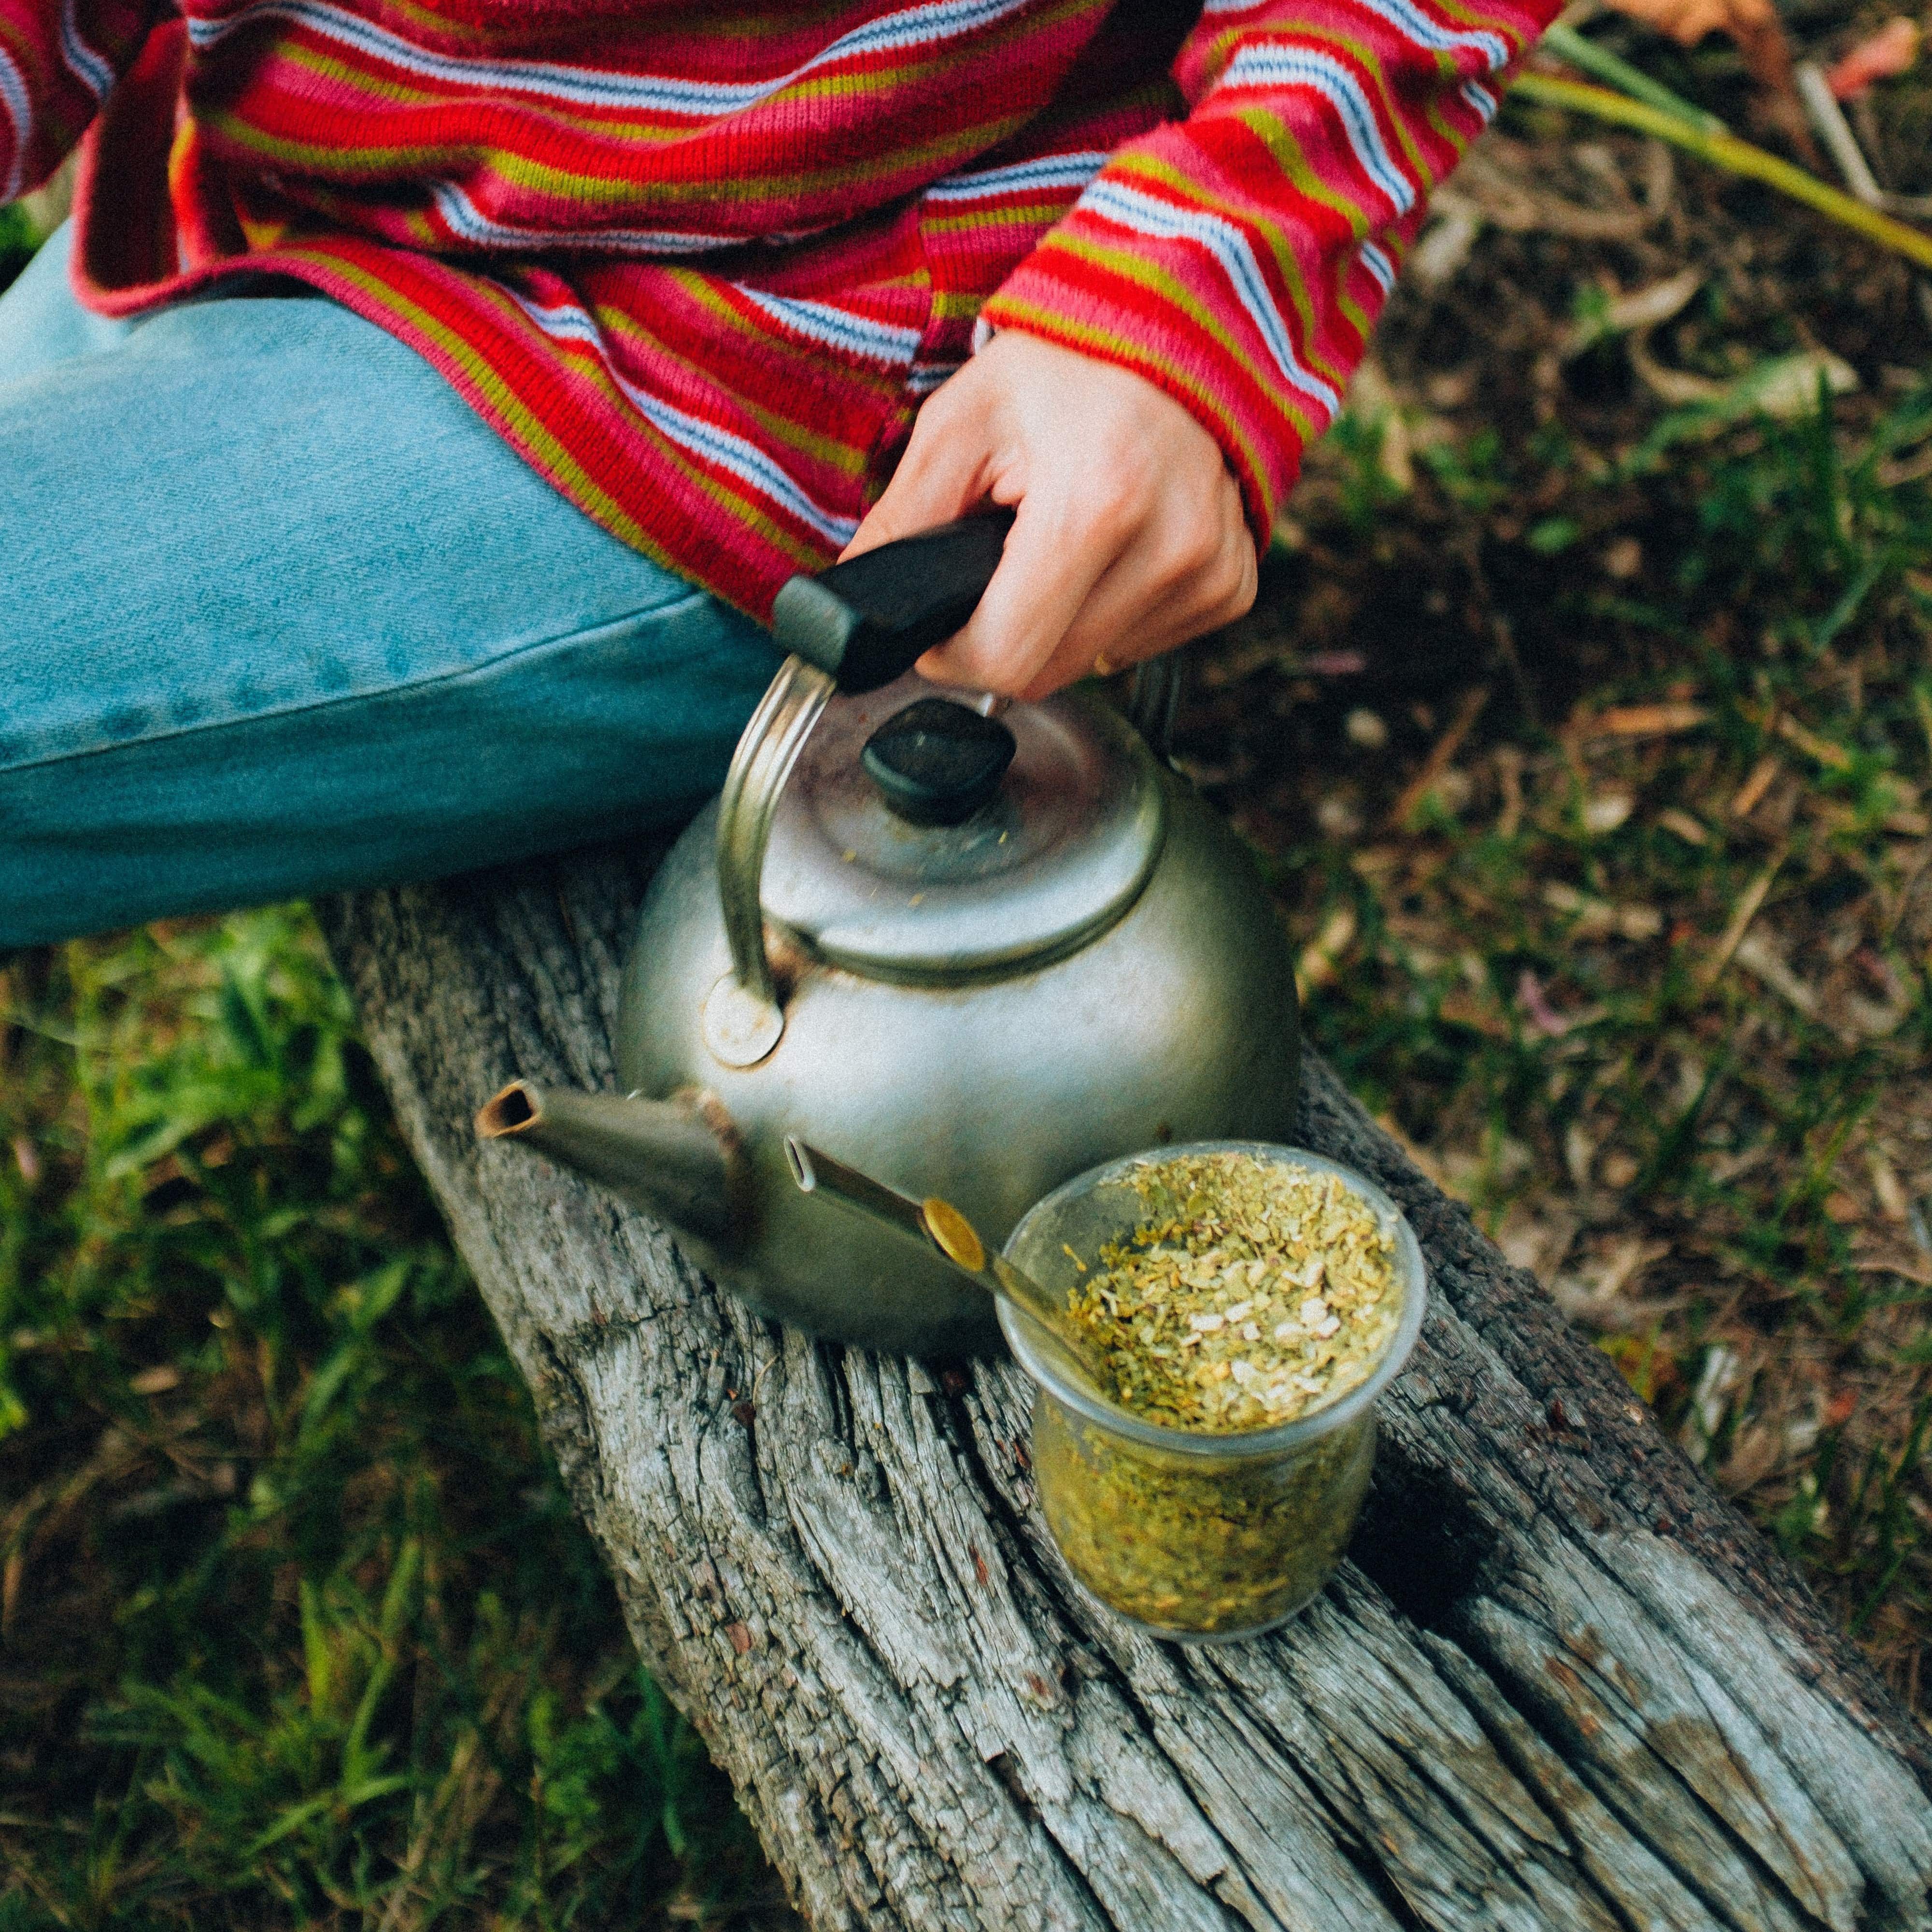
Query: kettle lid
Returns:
{"type": "Point", "coordinates": [1059, 851]}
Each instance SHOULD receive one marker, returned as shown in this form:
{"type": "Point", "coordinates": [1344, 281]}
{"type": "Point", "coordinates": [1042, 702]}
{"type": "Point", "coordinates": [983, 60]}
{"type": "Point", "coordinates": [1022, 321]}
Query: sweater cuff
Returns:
{"type": "Point", "coordinates": [1107, 301]}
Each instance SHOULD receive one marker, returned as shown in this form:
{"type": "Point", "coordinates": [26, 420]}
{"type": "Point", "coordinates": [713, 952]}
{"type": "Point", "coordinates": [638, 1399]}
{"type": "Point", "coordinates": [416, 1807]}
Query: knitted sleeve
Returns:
{"type": "Point", "coordinates": [57, 60]}
{"type": "Point", "coordinates": [1239, 258]}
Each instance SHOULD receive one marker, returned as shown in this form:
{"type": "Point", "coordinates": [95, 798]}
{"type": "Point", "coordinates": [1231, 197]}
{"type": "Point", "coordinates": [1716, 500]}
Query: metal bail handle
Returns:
{"type": "Point", "coordinates": [1152, 699]}
{"type": "Point", "coordinates": [743, 1018]}
{"type": "Point", "coordinates": [853, 627]}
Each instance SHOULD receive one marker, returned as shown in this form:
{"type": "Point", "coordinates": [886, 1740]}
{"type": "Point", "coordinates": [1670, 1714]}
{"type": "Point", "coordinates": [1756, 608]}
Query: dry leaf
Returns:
{"type": "Point", "coordinates": [1834, 756]}
{"type": "Point", "coordinates": [1461, 1007]}
{"type": "Point", "coordinates": [1751, 792]}
{"type": "Point", "coordinates": [1753, 1455]}
{"type": "Point", "coordinates": [1375, 403]}
{"type": "Point", "coordinates": [1641, 720]}
{"type": "Point", "coordinates": [1647, 307]}
{"type": "Point", "coordinates": [1686, 828]}
{"type": "Point", "coordinates": [1783, 386]}
{"type": "Point", "coordinates": [1890, 52]}
{"type": "Point", "coordinates": [1598, 919]}
{"type": "Point", "coordinates": [1603, 812]}
{"type": "Point", "coordinates": [1757, 953]}
{"type": "Point", "coordinates": [1316, 966]}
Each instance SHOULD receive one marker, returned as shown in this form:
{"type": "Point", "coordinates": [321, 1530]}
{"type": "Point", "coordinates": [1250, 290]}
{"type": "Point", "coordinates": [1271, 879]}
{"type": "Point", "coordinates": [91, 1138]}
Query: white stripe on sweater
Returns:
{"type": "Point", "coordinates": [93, 74]}
{"type": "Point", "coordinates": [838, 327]}
{"type": "Point", "coordinates": [1114, 201]}
{"type": "Point", "coordinates": [592, 87]}
{"type": "Point", "coordinates": [1411, 20]}
{"type": "Point", "coordinates": [469, 223]}
{"type": "Point", "coordinates": [569, 322]}
{"type": "Point", "coordinates": [14, 97]}
{"type": "Point", "coordinates": [1053, 171]}
{"type": "Point", "coordinates": [1277, 66]}
{"type": "Point", "coordinates": [581, 86]}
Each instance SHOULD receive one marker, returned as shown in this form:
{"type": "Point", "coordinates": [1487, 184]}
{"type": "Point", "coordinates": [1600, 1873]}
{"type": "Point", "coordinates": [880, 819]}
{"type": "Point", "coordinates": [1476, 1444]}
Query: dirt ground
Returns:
{"type": "Point", "coordinates": [1585, 720]}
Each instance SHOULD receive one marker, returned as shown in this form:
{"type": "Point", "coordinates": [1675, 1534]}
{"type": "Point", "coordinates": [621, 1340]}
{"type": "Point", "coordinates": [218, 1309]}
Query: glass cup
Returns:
{"type": "Point", "coordinates": [1196, 1536]}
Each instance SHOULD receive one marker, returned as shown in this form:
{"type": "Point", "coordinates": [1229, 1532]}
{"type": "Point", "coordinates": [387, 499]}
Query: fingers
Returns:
{"type": "Point", "coordinates": [1193, 570]}
{"type": "Point", "coordinates": [1050, 567]}
{"type": "Point", "coordinates": [1172, 567]}
{"type": "Point", "coordinates": [943, 473]}
{"type": "Point", "coordinates": [1130, 538]}
{"type": "Point", "coordinates": [1160, 629]}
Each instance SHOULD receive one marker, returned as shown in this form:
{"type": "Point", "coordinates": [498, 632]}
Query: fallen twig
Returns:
{"type": "Point", "coordinates": [1642, 721]}
{"type": "Point", "coordinates": [1437, 762]}
{"type": "Point", "coordinates": [1754, 787]}
{"type": "Point", "coordinates": [1827, 119]}
{"type": "Point", "coordinates": [1835, 757]}
{"type": "Point", "coordinates": [1745, 910]}
{"type": "Point", "coordinates": [1727, 152]}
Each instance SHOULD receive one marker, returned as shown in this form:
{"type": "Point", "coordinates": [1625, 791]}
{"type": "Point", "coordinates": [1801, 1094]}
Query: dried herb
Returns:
{"type": "Point", "coordinates": [1249, 1293]}
{"type": "Point", "coordinates": [1252, 1293]}
{"type": "Point", "coordinates": [1194, 1546]}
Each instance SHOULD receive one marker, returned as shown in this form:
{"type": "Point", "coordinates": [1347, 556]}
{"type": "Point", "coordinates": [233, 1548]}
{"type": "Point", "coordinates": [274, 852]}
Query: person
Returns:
{"type": "Point", "coordinates": [404, 441]}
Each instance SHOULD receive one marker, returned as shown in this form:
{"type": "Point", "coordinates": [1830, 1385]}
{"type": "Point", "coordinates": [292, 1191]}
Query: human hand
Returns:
{"type": "Point", "coordinates": [1129, 538]}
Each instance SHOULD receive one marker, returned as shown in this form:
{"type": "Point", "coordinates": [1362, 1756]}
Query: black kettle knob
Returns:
{"type": "Point", "coordinates": [936, 763]}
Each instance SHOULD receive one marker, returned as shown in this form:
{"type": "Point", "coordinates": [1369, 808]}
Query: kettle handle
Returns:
{"type": "Point", "coordinates": [1152, 699]}
{"type": "Point", "coordinates": [870, 619]}
{"type": "Point", "coordinates": [743, 1015]}
{"type": "Point", "coordinates": [853, 627]}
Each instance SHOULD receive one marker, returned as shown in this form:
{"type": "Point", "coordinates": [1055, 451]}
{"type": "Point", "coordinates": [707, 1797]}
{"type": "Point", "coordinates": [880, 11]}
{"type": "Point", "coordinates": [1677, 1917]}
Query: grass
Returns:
{"type": "Point", "coordinates": [296, 1626]}
{"type": "Point", "coordinates": [18, 239]}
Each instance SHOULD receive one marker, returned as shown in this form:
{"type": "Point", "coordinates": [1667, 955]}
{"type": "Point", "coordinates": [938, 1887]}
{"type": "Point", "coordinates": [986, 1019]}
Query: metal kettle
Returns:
{"type": "Point", "coordinates": [972, 954]}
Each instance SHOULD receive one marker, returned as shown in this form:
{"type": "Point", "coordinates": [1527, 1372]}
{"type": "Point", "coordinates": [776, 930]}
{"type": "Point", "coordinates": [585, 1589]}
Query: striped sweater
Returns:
{"type": "Point", "coordinates": [699, 260]}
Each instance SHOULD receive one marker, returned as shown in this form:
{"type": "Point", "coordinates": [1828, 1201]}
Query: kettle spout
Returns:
{"type": "Point", "coordinates": [680, 1159]}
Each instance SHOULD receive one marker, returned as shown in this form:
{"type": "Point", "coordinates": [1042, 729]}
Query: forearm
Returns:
{"type": "Point", "coordinates": [1239, 260]}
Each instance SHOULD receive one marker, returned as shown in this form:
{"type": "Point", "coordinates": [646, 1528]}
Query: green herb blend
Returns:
{"type": "Point", "coordinates": [1252, 1293]}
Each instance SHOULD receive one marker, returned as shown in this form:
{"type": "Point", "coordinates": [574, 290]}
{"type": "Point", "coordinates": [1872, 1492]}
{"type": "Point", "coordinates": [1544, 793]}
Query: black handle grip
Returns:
{"type": "Point", "coordinates": [869, 620]}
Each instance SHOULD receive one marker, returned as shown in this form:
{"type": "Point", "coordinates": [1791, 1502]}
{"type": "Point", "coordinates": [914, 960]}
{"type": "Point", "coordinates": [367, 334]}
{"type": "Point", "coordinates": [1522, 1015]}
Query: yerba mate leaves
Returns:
{"type": "Point", "coordinates": [1251, 1294]}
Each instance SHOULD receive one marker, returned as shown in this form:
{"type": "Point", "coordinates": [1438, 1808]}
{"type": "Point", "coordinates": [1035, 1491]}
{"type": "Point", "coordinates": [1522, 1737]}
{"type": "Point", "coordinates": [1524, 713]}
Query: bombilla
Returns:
{"type": "Point", "coordinates": [940, 1225]}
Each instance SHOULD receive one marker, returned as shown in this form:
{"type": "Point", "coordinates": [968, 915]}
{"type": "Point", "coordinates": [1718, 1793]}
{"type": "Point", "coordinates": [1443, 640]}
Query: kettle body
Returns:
{"type": "Point", "coordinates": [1177, 1022]}
{"type": "Point", "coordinates": [971, 955]}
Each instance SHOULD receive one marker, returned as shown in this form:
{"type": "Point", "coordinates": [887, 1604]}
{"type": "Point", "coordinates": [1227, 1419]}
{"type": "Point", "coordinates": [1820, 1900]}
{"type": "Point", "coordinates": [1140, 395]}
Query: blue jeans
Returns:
{"type": "Point", "coordinates": [280, 615]}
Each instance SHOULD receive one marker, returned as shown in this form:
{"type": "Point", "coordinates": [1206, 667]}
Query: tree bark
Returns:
{"type": "Point", "coordinates": [1560, 1682]}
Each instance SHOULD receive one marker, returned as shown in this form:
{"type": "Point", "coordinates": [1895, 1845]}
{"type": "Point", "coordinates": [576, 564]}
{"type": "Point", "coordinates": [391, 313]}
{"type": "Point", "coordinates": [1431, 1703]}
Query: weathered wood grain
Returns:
{"type": "Point", "coordinates": [1560, 1683]}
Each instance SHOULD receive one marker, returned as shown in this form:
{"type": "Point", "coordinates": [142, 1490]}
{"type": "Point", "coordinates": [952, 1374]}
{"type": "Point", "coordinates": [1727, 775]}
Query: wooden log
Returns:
{"type": "Point", "coordinates": [1560, 1682]}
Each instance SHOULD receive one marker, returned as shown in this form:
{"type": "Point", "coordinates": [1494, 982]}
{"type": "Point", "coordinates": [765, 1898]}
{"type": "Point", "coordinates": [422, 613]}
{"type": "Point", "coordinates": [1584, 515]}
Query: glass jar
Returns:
{"type": "Point", "coordinates": [1198, 1537]}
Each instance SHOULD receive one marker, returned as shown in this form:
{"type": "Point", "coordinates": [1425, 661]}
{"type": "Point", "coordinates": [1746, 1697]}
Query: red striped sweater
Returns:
{"type": "Point", "coordinates": [698, 260]}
